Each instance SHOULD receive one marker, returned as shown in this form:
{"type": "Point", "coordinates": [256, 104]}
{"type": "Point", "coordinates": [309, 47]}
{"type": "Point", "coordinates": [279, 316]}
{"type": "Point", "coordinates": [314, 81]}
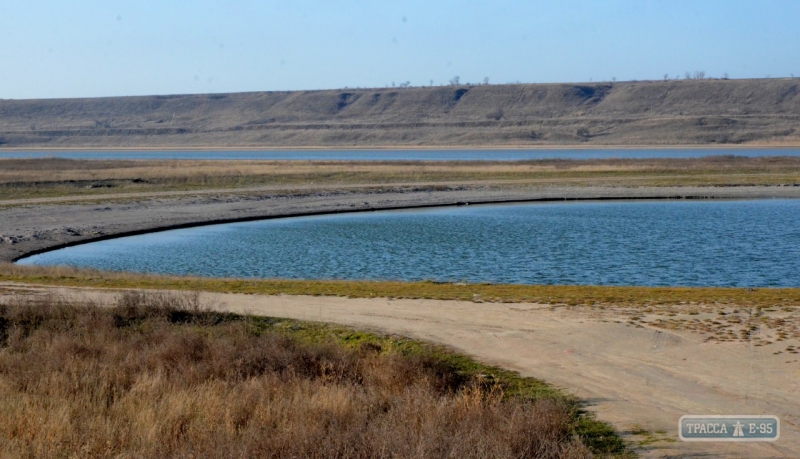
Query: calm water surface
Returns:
{"type": "Point", "coordinates": [713, 243]}
{"type": "Point", "coordinates": [404, 155]}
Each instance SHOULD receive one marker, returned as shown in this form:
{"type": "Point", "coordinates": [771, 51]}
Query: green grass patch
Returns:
{"type": "Point", "coordinates": [571, 295]}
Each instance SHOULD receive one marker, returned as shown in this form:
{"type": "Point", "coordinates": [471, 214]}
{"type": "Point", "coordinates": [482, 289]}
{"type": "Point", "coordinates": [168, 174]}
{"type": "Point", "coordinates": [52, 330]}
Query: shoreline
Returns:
{"type": "Point", "coordinates": [46, 227]}
{"type": "Point", "coordinates": [225, 221]}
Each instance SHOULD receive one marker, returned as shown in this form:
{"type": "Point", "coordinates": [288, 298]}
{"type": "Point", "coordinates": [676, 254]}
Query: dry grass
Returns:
{"type": "Point", "coordinates": [50, 177]}
{"type": "Point", "coordinates": [160, 376]}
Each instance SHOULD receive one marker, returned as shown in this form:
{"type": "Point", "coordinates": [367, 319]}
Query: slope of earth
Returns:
{"type": "Point", "coordinates": [674, 112]}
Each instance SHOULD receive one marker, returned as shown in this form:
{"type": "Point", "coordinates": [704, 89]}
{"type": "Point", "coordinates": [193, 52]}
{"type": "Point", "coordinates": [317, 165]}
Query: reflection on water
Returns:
{"type": "Point", "coordinates": [721, 243]}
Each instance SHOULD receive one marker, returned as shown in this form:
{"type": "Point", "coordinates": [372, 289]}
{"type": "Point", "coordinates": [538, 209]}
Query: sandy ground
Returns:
{"type": "Point", "coordinates": [27, 228]}
{"type": "Point", "coordinates": [635, 376]}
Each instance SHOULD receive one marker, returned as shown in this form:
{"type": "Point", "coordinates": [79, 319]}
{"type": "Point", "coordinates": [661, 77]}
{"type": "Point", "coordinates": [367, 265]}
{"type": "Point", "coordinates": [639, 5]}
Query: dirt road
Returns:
{"type": "Point", "coordinates": [639, 378]}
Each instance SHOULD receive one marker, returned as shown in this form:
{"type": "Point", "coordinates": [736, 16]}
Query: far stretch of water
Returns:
{"type": "Point", "coordinates": [691, 243]}
{"type": "Point", "coordinates": [405, 155]}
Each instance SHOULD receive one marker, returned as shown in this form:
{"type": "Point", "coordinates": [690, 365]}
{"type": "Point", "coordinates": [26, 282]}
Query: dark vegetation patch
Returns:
{"type": "Point", "coordinates": [459, 93]}
{"type": "Point", "coordinates": [344, 100]}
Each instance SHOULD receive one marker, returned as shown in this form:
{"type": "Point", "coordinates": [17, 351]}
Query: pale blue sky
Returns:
{"type": "Point", "coordinates": [53, 48]}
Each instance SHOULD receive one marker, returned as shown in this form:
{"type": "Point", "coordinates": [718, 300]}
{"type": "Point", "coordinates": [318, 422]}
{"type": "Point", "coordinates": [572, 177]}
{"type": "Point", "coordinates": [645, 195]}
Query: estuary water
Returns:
{"type": "Point", "coordinates": [656, 243]}
{"type": "Point", "coordinates": [409, 155]}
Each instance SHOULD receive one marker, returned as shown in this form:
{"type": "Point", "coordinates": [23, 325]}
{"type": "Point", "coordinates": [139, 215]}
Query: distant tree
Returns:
{"type": "Point", "coordinates": [687, 76]}
{"type": "Point", "coordinates": [393, 84]}
{"type": "Point", "coordinates": [613, 78]}
{"type": "Point", "coordinates": [486, 80]}
{"type": "Point", "coordinates": [455, 80]}
{"type": "Point", "coordinates": [405, 84]}
{"type": "Point", "coordinates": [699, 74]}
{"type": "Point", "coordinates": [666, 76]}
{"type": "Point", "coordinates": [725, 76]}
{"type": "Point", "coordinates": [431, 82]}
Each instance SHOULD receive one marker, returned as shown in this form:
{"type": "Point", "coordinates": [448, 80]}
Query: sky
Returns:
{"type": "Point", "coordinates": [95, 48]}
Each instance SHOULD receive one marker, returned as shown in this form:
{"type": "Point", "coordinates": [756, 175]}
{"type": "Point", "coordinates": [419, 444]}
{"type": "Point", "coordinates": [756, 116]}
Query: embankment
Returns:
{"type": "Point", "coordinates": [685, 112]}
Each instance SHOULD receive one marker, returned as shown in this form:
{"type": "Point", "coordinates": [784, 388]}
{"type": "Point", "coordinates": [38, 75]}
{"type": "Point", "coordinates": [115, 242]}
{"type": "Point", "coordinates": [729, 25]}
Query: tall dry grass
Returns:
{"type": "Point", "coordinates": [160, 376]}
{"type": "Point", "coordinates": [56, 177]}
{"type": "Point", "coordinates": [40, 170]}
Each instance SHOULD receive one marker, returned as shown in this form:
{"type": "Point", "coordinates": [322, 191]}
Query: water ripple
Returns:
{"type": "Point", "coordinates": [730, 243]}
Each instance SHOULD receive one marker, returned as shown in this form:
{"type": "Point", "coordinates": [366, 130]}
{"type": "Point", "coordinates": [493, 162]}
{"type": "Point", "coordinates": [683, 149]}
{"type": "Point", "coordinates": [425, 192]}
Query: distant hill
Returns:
{"type": "Point", "coordinates": [686, 112]}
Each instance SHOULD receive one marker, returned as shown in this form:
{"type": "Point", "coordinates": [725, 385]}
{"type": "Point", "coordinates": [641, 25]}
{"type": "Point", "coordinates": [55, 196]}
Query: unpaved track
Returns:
{"type": "Point", "coordinates": [633, 377]}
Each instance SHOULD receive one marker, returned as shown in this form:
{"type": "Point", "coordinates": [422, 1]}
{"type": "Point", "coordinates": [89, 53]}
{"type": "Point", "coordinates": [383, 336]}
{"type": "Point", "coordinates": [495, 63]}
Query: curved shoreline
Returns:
{"type": "Point", "coordinates": [32, 230]}
{"type": "Point", "coordinates": [338, 212]}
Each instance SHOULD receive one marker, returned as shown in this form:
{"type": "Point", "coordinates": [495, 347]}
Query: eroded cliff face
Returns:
{"type": "Point", "coordinates": [691, 112]}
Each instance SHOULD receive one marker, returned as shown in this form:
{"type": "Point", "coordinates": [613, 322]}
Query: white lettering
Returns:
{"type": "Point", "coordinates": [724, 429]}
{"type": "Point", "coordinates": [752, 427]}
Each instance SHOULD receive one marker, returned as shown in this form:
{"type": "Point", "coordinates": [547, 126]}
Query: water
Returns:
{"type": "Point", "coordinates": [405, 155]}
{"type": "Point", "coordinates": [691, 243]}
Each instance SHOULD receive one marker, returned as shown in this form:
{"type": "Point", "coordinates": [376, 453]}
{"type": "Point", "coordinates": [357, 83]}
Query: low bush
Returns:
{"type": "Point", "coordinates": [158, 375]}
